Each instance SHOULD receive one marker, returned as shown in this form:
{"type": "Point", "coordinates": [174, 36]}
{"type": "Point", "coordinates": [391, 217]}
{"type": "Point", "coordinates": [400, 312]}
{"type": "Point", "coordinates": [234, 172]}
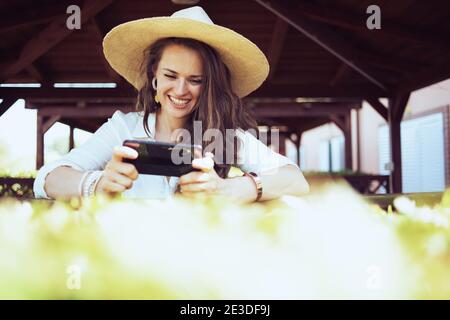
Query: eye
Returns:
{"type": "Point", "coordinates": [170, 76]}
{"type": "Point", "coordinates": [196, 81]}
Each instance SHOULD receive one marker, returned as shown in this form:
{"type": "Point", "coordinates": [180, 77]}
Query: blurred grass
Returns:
{"type": "Point", "coordinates": [330, 244]}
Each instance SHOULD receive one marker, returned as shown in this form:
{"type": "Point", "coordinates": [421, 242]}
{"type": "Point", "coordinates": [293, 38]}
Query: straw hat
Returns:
{"type": "Point", "coordinates": [124, 45]}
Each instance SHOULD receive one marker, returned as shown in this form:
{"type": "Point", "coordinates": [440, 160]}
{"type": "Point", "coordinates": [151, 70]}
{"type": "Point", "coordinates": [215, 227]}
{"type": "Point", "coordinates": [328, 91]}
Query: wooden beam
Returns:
{"type": "Point", "coordinates": [60, 101]}
{"type": "Point", "coordinates": [68, 93]}
{"type": "Point", "coordinates": [326, 38]}
{"type": "Point", "coordinates": [378, 107]}
{"type": "Point", "coordinates": [400, 103]}
{"type": "Point", "coordinates": [88, 112]}
{"type": "Point", "coordinates": [100, 33]}
{"type": "Point", "coordinates": [425, 77]}
{"type": "Point", "coordinates": [267, 121]}
{"type": "Point", "coordinates": [89, 125]}
{"type": "Point", "coordinates": [6, 104]}
{"type": "Point", "coordinates": [345, 19]}
{"type": "Point", "coordinates": [341, 71]}
{"type": "Point", "coordinates": [266, 91]}
{"type": "Point", "coordinates": [290, 110]}
{"type": "Point", "coordinates": [293, 90]}
{"type": "Point", "coordinates": [48, 122]}
{"type": "Point", "coordinates": [338, 121]}
{"type": "Point", "coordinates": [35, 15]}
{"type": "Point", "coordinates": [276, 45]}
{"type": "Point", "coordinates": [303, 124]}
{"type": "Point", "coordinates": [49, 37]}
{"type": "Point", "coordinates": [36, 73]}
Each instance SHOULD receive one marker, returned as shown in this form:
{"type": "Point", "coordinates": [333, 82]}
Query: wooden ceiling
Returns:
{"type": "Point", "coordinates": [317, 48]}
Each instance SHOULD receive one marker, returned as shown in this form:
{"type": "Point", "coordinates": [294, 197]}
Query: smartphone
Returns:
{"type": "Point", "coordinates": [162, 158]}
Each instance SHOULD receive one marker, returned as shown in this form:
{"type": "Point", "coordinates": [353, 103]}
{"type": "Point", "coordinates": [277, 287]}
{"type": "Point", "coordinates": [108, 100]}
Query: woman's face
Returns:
{"type": "Point", "coordinates": [179, 80]}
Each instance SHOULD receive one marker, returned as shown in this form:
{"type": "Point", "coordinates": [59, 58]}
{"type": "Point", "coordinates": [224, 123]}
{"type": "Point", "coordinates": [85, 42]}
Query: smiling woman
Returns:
{"type": "Point", "coordinates": [187, 71]}
{"type": "Point", "coordinates": [185, 82]}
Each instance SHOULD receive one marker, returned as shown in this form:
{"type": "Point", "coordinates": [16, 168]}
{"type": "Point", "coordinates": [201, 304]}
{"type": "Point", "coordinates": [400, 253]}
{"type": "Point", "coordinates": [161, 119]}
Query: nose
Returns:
{"type": "Point", "coordinates": [181, 87]}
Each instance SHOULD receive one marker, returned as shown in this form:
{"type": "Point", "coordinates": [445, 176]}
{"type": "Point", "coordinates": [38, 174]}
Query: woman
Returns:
{"type": "Point", "coordinates": [187, 71]}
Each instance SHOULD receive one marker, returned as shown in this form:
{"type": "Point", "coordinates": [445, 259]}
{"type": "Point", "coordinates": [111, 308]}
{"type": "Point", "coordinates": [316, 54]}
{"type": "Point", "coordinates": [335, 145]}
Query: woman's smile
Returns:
{"type": "Point", "coordinates": [178, 103]}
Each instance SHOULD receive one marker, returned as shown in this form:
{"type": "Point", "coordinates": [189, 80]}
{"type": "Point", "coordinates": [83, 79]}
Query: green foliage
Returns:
{"type": "Point", "coordinates": [5, 173]}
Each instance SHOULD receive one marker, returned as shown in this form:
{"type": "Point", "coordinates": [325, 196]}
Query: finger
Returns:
{"type": "Point", "coordinates": [126, 169]}
{"type": "Point", "coordinates": [195, 187]}
{"type": "Point", "coordinates": [193, 177]}
{"type": "Point", "coordinates": [112, 187]}
{"type": "Point", "coordinates": [197, 153]}
{"type": "Point", "coordinates": [121, 179]}
{"type": "Point", "coordinates": [121, 152]}
{"type": "Point", "coordinates": [205, 164]}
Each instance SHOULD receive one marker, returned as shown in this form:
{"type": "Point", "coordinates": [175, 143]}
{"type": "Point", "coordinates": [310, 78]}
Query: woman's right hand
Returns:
{"type": "Point", "coordinates": [118, 175]}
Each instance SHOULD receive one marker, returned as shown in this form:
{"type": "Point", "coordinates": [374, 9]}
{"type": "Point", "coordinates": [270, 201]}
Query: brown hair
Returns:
{"type": "Point", "coordinates": [218, 107]}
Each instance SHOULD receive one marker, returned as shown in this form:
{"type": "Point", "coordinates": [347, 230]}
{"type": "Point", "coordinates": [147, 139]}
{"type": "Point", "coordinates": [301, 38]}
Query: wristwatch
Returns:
{"type": "Point", "coordinates": [257, 180]}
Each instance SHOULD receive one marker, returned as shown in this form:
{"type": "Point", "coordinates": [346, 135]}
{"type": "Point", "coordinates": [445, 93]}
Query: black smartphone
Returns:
{"type": "Point", "coordinates": [164, 159]}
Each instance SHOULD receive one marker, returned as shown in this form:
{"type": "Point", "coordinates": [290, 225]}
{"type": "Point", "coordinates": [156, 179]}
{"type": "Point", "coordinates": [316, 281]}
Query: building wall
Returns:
{"type": "Point", "coordinates": [311, 141]}
{"type": "Point", "coordinates": [421, 101]}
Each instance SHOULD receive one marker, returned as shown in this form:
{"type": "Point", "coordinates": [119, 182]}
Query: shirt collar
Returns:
{"type": "Point", "coordinates": [139, 131]}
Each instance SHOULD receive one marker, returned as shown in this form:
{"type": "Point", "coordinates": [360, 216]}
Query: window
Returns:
{"type": "Point", "coordinates": [423, 167]}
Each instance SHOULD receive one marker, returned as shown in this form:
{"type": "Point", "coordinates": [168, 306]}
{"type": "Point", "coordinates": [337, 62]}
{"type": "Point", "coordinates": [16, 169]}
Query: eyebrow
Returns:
{"type": "Point", "coordinates": [193, 76]}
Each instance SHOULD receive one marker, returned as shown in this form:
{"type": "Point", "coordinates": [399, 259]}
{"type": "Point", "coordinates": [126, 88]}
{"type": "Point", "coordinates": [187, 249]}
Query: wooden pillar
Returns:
{"type": "Point", "coordinates": [43, 124]}
{"type": "Point", "coordinates": [358, 140]}
{"type": "Point", "coordinates": [71, 139]}
{"type": "Point", "coordinates": [39, 142]}
{"type": "Point", "coordinates": [282, 144]}
{"type": "Point", "coordinates": [298, 145]}
{"type": "Point", "coordinates": [396, 146]}
{"type": "Point", "coordinates": [348, 142]}
{"type": "Point", "coordinates": [396, 108]}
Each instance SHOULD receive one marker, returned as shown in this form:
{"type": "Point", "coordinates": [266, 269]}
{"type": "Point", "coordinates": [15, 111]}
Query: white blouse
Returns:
{"type": "Point", "coordinates": [94, 154]}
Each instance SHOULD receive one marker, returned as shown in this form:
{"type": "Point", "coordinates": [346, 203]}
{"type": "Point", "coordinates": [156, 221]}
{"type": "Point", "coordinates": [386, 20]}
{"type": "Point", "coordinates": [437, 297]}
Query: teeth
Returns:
{"type": "Point", "coordinates": [178, 101]}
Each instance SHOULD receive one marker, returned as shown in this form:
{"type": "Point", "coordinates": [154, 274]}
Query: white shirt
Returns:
{"type": "Point", "coordinates": [94, 154]}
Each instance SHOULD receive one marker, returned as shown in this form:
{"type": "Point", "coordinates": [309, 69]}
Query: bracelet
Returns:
{"type": "Point", "coordinates": [91, 182]}
{"type": "Point", "coordinates": [80, 185]}
{"type": "Point", "coordinates": [257, 181]}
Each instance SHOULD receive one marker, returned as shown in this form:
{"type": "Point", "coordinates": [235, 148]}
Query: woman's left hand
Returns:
{"type": "Point", "coordinates": [207, 180]}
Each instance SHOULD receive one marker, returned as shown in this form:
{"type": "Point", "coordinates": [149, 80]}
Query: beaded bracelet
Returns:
{"type": "Point", "coordinates": [91, 182]}
{"type": "Point", "coordinates": [80, 185]}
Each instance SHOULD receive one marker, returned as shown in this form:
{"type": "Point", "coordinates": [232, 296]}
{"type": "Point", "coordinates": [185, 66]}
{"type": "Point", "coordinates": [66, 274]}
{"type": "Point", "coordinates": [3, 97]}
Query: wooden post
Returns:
{"type": "Point", "coordinates": [396, 145]}
{"type": "Point", "coordinates": [298, 143]}
{"type": "Point", "coordinates": [71, 140]}
{"type": "Point", "coordinates": [39, 142]}
{"type": "Point", "coordinates": [348, 142]}
{"type": "Point", "coordinates": [396, 108]}
{"type": "Point", "coordinates": [43, 124]}
{"type": "Point", "coordinates": [282, 144]}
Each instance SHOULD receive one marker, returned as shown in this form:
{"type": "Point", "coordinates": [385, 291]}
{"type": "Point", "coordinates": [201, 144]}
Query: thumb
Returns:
{"type": "Point", "coordinates": [205, 164]}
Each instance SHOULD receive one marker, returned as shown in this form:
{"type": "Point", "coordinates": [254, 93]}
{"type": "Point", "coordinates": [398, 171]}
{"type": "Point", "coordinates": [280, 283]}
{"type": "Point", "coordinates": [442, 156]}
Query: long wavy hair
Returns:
{"type": "Point", "coordinates": [218, 107]}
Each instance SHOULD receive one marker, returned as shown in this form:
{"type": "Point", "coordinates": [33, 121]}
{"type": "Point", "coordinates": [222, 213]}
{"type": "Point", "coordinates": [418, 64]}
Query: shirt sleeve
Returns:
{"type": "Point", "coordinates": [255, 156]}
{"type": "Point", "coordinates": [94, 153]}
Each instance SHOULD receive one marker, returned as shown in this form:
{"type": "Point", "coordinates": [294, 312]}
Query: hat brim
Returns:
{"type": "Point", "coordinates": [124, 49]}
